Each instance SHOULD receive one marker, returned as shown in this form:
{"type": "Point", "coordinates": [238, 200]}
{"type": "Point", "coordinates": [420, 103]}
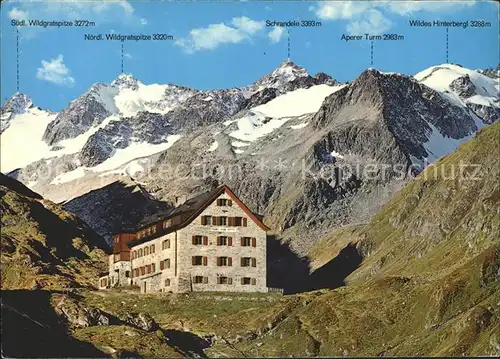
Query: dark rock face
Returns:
{"type": "Point", "coordinates": [493, 73]}
{"type": "Point", "coordinates": [115, 207]}
{"type": "Point", "coordinates": [397, 112]}
{"type": "Point", "coordinates": [205, 108]}
{"type": "Point", "coordinates": [83, 113]}
{"type": "Point", "coordinates": [260, 98]}
{"type": "Point", "coordinates": [488, 114]}
{"type": "Point", "coordinates": [145, 127]}
{"type": "Point", "coordinates": [463, 86]}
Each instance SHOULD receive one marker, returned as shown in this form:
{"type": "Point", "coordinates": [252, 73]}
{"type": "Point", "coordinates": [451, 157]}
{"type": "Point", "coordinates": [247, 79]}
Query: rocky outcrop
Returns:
{"type": "Point", "coordinates": [140, 320]}
{"type": "Point", "coordinates": [75, 313]}
{"type": "Point", "coordinates": [463, 86]}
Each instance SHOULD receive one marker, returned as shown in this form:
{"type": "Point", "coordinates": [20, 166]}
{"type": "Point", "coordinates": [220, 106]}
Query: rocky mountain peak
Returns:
{"type": "Point", "coordinates": [17, 104]}
{"type": "Point", "coordinates": [125, 81]}
{"type": "Point", "coordinates": [285, 73]}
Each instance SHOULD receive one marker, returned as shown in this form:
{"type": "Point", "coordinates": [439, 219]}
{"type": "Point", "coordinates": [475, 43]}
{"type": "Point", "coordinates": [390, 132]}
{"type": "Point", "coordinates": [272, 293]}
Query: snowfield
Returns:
{"type": "Point", "coordinates": [21, 143]}
{"type": "Point", "coordinates": [264, 119]}
{"type": "Point", "coordinates": [440, 78]}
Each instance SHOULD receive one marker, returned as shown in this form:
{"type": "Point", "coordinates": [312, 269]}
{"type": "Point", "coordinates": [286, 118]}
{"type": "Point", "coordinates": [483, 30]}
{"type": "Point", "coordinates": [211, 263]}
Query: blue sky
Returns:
{"type": "Point", "coordinates": [226, 44]}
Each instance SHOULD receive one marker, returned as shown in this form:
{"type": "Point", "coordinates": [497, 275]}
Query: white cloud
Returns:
{"type": "Point", "coordinates": [410, 7]}
{"type": "Point", "coordinates": [144, 21]}
{"type": "Point", "coordinates": [374, 23]}
{"type": "Point", "coordinates": [55, 71]}
{"type": "Point", "coordinates": [17, 14]}
{"type": "Point", "coordinates": [247, 25]}
{"type": "Point", "coordinates": [368, 16]}
{"type": "Point", "coordinates": [339, 10]}
{"type": "Point", "coordinates": [127, 55]}
{"type": "Point", "coordinates": [276, 34]}
{"type": "Point", "coordinates": [213, 35]}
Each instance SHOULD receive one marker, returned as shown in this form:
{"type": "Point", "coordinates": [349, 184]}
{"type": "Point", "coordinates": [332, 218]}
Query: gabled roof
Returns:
{"type": "Point", "coordinates": [193, 208]}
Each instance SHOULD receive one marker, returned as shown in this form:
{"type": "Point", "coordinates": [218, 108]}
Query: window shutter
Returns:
{"type": "Point", "coordinates": [242, 241]}
{"type": "Point", "coordinates": [168, 243]}
{"type": "Point", "coordinates": [230, 221]}
{"type": "Point", "coordinates": [242, 280]}
{"type": "Point", "coordinates": [254, 281]}
{"type": "Point", "coordinates": [242, 264]}
{"type": "Point", "coordinates": [254, 262]}
{"type": "Point", "coordinates": [230, 241]}
{"type": "Point", "coordinates": [162, 265]}
{"type": "Point", "coordinates": [229, 261]}
{"type": "Point", "coordinates": [193, 240]}
{"type": "Point", "coordinates": [153, 267]}
{"type": "Point", "coordinates": [218, 201]}
{"type": "Point", "coordinates": [254, 242]}
{"type": "Point", "coordinates": [214, 220]}
{"type": "Point", "coordinates": [168, 263]}
{"type": "Point", "coordinates": [193, 261]}
{"type": "Point", "coordinates": [205, 240]}
{"type": "Point", "coordinates": [218, 261]}
{"type": "Point", "coordinates": [230, 280]}
{"type": "Point", "coordinates": [203, 220]}
{"type": "Point", "coordinates": [204, 261]}
{"type": "Point", "coordinates": [229, 202]}
{"type": "Point", "coordinates": [244, 220]}
{"type": "Point", "coordinates": [205, 280]}
{"type": "Point", "coordinates": [218, 240]}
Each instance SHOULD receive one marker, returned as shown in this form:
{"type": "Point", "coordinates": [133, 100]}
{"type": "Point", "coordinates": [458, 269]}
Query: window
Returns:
{"type": "Point", "coordinates": [143, 270]}
{"type": "Point", "coordinates": [224, 261]}
{"type": "Point", "coordinates": [197, 240]}
{"type": "Point", "coordinates": [206, 220]}
{"type": "Point", "coordinates": [246, 281]}
{"type": "Point", "coordinates": [237, 221]}
{"type": "Point", "coordinates": [146, 251]}
{"type": "Point", "coordinates": [167, 282]}
{"type": "Point", "coordinates": [153, 267]}
{"type": "Point", "coordinates": [224, 280]}
{"type": "Point", "coordinates": [140, 252]}
{"type": "Point", "coordinates": [246, 241]}
{"type": "Point", "coordinates": [127, 274]}
{"type": "Point", "coordinates": [224, 202]}
{"type": "Point", "coordinates": [224, 241]}
{"type": "Point", "coordinates": [222, 221]}
{"type": "Point", "coordinates": [164, 264]}
{"type": "Point", "coordinates": [148, 268]}
{"type": "Point", "coordinates": [246, 261]}
{"type": "Point", "coordinates": [197, 260]}
{"type": "Point", "coordinates": [198, 279]}
{"type": "Point", "coordinates": [152, 249]}
{"type": "Point", "coordinates": [165, 244]}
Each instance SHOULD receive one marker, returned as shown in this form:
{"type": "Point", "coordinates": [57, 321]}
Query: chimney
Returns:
{"type": "Point", "coordinates": [180, 200]}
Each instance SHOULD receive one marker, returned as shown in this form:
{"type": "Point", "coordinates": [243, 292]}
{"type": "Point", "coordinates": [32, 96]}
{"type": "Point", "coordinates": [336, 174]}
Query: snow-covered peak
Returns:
{"type": "Point", "coordinates": [17, 104]}
{"type": "Point", "coordinates": [125, 81]}
{"type": "Point", "coordinates": [287, 72]}
{"type": "Point", "coordinates": [464, 87]}
{"type": "Point", "coordinates": [442, 76]}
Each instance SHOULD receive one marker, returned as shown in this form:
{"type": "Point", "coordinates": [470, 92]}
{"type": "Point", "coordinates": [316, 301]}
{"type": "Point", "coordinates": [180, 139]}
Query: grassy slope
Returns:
{"type": "Point", "coordinates": [42, 245]}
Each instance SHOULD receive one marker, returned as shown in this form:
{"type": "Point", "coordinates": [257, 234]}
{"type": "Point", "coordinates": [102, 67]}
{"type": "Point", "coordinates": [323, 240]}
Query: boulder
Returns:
{"type": "Point", "coordinates": [142, 321]}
